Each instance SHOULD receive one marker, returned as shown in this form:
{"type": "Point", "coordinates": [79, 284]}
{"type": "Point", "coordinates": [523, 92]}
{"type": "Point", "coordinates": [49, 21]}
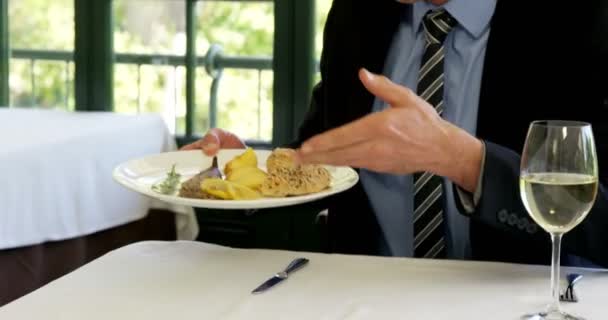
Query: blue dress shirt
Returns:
{"type": "Point", "coordinates": [391, 196]}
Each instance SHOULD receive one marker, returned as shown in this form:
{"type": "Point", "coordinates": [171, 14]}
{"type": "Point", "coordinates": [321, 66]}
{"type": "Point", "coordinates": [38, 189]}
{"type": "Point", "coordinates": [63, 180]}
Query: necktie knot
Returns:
{"type": "Point", "coordinates": [437, 25]}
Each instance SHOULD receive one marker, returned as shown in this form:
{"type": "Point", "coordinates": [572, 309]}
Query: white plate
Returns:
{"type": "Point", "coordinates": [141, 174]}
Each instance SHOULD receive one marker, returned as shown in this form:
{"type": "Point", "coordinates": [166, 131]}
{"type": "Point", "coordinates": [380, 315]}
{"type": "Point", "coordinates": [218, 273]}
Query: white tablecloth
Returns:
{"type": "Point", "coordinates": [190, 280]}
{"type": "Point", "coordinates": [56, 173]}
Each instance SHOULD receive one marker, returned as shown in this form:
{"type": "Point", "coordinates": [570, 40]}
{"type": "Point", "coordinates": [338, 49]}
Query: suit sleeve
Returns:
{"type": "Point", "coordinates": [501, 207]}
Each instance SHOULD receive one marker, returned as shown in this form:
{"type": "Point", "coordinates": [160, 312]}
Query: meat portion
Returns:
{"type": "Point", "coordinates": [192, 187]}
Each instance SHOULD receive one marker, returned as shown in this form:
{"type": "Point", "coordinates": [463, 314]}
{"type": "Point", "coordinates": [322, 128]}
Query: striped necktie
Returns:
{"type": "Point", "coordinates": [429, 229]}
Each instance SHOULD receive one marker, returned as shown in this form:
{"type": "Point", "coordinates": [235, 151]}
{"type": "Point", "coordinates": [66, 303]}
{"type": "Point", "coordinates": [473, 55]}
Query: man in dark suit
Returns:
{"type": "Point", "coordinates": [440, 166]}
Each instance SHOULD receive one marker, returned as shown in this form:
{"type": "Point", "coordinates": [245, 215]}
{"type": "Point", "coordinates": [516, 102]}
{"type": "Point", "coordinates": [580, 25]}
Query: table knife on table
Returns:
{"type": "Point", "coordinates": [281, 276]}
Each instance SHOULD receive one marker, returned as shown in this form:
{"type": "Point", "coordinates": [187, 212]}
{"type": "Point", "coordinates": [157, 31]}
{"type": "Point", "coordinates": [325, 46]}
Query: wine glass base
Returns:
{"type": "Point", "coordinates": [554, 315]}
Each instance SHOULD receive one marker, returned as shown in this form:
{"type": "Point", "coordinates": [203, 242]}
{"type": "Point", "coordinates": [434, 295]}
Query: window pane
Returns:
{"type": "Point", "coordinates": [244, 96]}
{"type": "Point", "coordinates": [241, 28]}
{"type": "Point", "coordinates": [45, 84]}
{"type": "Point", "coordinates": [151, 88]}
{"type": "Point", "coordinates": [247, 111]}
{"type": "Point", "coordinates": [157, 28]}
{"type": "Point", "coordinates": [41, 24]}
{"type": "Point", "coordinates": [203, 94]}
{"type": "Point", "coordinates": [153, 33]}
{"type": "Point", "coordinates": [37, 78]}
{"type": "Point", "coordinates": [323, 7]}
{"type": "Point", "coordinates": [150, 26]}
{"type": "Point", "coordinates": [245, 104]}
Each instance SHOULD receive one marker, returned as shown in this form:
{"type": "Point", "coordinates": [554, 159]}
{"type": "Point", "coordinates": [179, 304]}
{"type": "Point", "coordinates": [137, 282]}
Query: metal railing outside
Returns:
{"type": "Point", "coordinates": [213, 61]}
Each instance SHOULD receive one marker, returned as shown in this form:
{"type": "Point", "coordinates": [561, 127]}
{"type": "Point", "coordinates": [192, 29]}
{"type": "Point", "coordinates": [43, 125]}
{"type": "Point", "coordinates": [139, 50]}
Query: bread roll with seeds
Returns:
{"type": "Point", "coordinates": [286, 178]}
{"type": "Point", "coordinates": [281, 158]}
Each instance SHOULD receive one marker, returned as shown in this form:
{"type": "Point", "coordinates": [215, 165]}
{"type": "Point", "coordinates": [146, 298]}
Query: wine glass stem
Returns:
{"type": "Point", "coordinates": [556, 239]}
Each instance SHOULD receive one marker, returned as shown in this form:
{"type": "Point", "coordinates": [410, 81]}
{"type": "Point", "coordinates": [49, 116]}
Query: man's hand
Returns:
{"type": "Point", "coordinates": [406, 138]}
{"type": "Point", "coordinates": [215, 140]}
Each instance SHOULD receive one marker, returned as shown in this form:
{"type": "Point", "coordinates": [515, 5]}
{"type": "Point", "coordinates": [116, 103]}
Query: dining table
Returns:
{"type": "Point", "coordinates": [194, 280]}
{"type": "Point", "coordinates": [60, 207]}
{"type": "Point", "coordinates": [56, 168]}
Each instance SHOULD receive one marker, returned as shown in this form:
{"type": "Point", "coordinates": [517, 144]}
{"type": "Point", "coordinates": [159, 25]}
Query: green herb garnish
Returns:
{"type": "Point", "coordinates": [169, 185]}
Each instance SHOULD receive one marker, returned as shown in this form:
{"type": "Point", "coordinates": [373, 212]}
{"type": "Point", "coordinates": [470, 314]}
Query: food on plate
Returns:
{"type": "Point", "coordinates": [227, 190]}
{"type": "Point", "coordinates": [215, 187]}
{"type": "Point", "coordinates": [281, 158]}
{"type": "Point", "coordinates": [245, 181]}
{"type": "Point", "coordinates": [240, 192]}
{"type": "Point", "coordinates": [169, 185]}
{"type": "Point", "coordinates": [251, 177]}
{"type": "Point", "coordinates": [246, 159]}
{"type": "Point", "coordinates": [286, 178]}
{"type": "Point", "coordinates": [192, 187]}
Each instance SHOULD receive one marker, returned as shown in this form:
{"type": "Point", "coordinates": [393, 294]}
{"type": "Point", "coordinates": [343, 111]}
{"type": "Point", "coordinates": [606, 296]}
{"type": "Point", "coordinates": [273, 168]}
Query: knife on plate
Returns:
{"type": "Point", "coordinates": [295, 265]}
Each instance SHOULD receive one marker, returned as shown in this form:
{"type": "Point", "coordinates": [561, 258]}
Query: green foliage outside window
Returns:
{"type": "Point", "coordinates": [30, 27]}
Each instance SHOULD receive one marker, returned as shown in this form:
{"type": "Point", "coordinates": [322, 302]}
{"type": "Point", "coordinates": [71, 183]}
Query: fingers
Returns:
{"type": "Point", "coordinates": [337, 157]}
{"type": "Point", "coordinates": [214, 140]}
{"type": "Point", "coordinates": [367, 154]}
{"type": "Point", "coordinates": [385, 89]}
{"type": "Point", "coordinates": [211, 142]}
{"type": "Point", "coordinates": [192, 146]}
{"type": "Point", "coordinates": [227, 140]}
{"type": "Point", "coordinates": [354, 132]}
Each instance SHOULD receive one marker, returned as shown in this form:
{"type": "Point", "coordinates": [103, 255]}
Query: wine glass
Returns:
{"type": "Point", "coordinates": [558, 186]}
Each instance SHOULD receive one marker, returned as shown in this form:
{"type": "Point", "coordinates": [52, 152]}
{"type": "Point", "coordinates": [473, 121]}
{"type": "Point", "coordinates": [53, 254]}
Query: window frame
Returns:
{"type": "Point", "coordinates": [294, 66]}
{"type": "Point", "coordinates": [93, 55]}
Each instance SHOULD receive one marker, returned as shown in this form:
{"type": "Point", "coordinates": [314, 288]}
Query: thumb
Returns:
{"type": "Point", "coordinates": [214, 140]}
{"type": "Point", "coordinates": [383, 88]}
{"type": "Point", "coordinates": [217, 139]}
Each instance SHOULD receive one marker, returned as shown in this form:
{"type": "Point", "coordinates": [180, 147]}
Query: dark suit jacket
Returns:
{"type": "Point", "coordinates": [543, 61]}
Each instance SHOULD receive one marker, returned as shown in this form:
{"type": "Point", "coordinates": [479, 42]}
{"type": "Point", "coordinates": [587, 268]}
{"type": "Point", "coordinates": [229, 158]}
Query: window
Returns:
{"type": "Point", "coordinates": [244, 32]}
{"type": "Point", "coordinates": [150, 45]}
{"type": "Point", "coordinates": [149, 75]}
{"type": "Point", "coordinates": [246, 66]}
{"type": "Point", "coordinates": [322, 9]}
{"type": "Point", "coordinates": [41, 37]}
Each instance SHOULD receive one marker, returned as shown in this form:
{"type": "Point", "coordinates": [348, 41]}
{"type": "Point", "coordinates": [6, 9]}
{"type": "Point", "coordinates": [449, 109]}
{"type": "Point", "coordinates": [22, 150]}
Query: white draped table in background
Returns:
{"type": "Point", "coordinates": [56, 173]}
{"type": "Point", "coordinates": [190, 280]}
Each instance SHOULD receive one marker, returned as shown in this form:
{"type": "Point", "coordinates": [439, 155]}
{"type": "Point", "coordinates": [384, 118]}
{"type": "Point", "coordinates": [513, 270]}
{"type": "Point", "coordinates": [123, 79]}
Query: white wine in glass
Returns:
{"type": "Point", "coordinates": [557, 201]}
{"type": "Point", "coordinates": [558, 186]}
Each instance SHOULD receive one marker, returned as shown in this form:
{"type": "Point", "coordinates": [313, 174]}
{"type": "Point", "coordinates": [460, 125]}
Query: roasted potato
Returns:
{"type": "Point", "coordinates": [244, 160]}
